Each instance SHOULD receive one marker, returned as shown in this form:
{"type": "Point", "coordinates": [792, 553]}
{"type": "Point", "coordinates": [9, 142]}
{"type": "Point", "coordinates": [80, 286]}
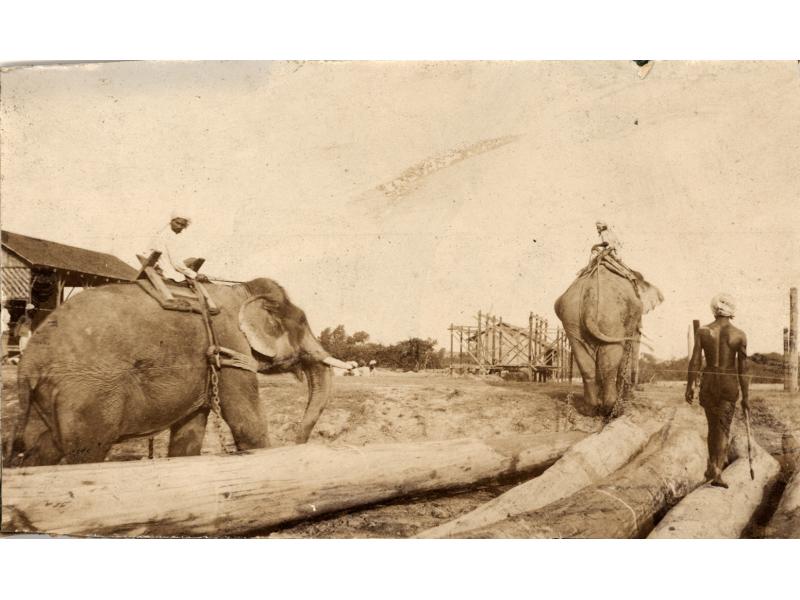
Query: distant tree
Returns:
{"type": "Point", "coordinates": [325, 339]}
{"type": "Point", "coordinates": [359, 337]}
{"type": "Point", "coordinates": [412, 354]}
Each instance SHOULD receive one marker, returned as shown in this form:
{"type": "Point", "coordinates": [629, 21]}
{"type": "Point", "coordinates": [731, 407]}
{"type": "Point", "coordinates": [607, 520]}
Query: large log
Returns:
{"type": "Point", "coordinates": [785, 523]}
{"type": "Point", "coordinates": [717, 513]}
{"type": "Point", "coordinates": [586, 463]}
{"type": "Point", "coordinates": [233, 495]}
{"type": "Point", "coordinates": [624, 504]}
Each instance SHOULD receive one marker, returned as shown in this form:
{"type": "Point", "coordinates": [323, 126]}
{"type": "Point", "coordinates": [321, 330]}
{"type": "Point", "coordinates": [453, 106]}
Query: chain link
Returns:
{"type": "Point", "coordinates": [215, 391]}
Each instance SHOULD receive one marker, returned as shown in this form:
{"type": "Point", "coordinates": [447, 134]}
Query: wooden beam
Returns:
{"type": "Point", "coordinates": [785, 523]}
{"type": "Point", "coordinates": [586, 463]}
{"type": "Point", "coordinates": [256, 490]}
{"type": "Point", "coordinates": [624, 504]}
{"type": "Point", "coordinates": [717, 513]}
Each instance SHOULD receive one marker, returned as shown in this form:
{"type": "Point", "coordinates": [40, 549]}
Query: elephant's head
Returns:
{"type": "Point", "coordinates": [281, 339]}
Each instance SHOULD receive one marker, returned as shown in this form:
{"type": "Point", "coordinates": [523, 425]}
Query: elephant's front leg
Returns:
{"type": "Point", "coordinates": [186, 436]}
{"type": "Point", "coordinates": [609, 357]}
{"type": "Point", "coordinates": [242, 409]}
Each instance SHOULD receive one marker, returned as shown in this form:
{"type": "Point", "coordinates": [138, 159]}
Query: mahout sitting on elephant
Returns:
{"type": "Point", "coordinates": [111, 364]}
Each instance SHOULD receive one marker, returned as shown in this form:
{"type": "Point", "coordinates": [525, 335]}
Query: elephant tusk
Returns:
{"type": "Point", "coordinates": [335, 362]}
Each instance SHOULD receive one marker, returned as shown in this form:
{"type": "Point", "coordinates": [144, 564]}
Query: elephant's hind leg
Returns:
{"type": "Point", "coordinates": [88, 422]}
{"type": "Point", "coordinates": [40, 446]}
{"type": "Point", "coordinates": [186, 436]}
{"type": "Point", "coordinates": [585, 359]}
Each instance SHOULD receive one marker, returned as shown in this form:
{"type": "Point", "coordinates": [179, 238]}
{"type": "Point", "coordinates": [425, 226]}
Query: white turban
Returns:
{"type": "Point", "coordinates": [723, 305]}
{"type": "Point", "coordinates": [181, 214]}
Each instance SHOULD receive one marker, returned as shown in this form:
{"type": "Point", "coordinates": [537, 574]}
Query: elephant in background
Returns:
{"type": "Point", "coordinates": [111, 364]}
{"type": "Point", "coordinates": [601, 312]}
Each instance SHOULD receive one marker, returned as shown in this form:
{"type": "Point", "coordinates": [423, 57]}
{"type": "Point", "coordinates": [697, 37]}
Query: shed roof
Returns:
{"type": "Point", "coordinates": [43, 253]}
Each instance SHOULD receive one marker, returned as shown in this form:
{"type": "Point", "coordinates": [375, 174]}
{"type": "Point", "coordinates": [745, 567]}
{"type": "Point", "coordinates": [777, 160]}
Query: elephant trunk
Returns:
{"type": "Point", "coordinates": [318, 377]}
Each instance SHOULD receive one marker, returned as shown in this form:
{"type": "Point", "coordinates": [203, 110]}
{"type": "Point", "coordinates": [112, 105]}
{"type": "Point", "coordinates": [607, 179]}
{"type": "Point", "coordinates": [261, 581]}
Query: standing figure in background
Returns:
{"type": "Point", "coordinates": [725, 349]}
{"type": "Point", "coordinates": [372, 364]}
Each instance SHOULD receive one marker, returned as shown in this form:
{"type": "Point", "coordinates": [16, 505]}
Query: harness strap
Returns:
{"type": "Point", "coordinates": [232, 358]}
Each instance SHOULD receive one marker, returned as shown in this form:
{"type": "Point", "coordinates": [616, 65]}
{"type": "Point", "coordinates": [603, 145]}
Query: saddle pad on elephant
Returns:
{"type": "Point", "coordinates": [615, 265]}
{"type": "Point", "coordinates": [183, 298]}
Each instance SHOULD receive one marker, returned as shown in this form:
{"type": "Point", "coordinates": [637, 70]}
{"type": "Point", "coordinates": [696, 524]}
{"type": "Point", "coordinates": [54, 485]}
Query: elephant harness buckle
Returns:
{"type": "Point", "coordinates": [219, 357]}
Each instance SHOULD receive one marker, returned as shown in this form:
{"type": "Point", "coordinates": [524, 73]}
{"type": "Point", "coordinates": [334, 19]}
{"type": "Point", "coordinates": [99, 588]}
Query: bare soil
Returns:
{"type": "Point", "coordinates": [395, 407]}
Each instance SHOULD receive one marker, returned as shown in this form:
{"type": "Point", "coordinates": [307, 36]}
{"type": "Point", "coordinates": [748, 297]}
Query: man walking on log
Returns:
{"type": "Point", "coordinates": [725, 349]}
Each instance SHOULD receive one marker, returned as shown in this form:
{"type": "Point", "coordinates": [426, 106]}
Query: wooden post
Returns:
{"type": "Point", "coordinates": [793, 340]}
{"type": "Point", "coordinates": [500, 343]}
{"type": "Point", "coordinates": [461, 348]}
{"type": "Point", "coordinates": [530, 341]}
{"type": "Point", "coordinates": [786, 359]}
{"type": "Point", "coordinates": [478, 344]}
{"type": "Point", "coordinates": [494, 335]}
{"type": "Point", "coordinates": [451, 349]}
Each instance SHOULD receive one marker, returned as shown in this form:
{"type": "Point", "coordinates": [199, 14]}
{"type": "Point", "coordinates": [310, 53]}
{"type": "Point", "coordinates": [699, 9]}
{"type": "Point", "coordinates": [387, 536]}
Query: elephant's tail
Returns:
{"type": "Point", "coordinates": [594, 329]}
{"type": "Point", "coordinates": [14, 444]}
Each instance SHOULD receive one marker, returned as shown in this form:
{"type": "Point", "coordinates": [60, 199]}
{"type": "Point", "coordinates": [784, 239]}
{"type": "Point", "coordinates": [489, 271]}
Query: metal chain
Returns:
{"type": "Point", "coordinates": [214, 400]}
{"type": "Point", "coordinates": [624, 385]}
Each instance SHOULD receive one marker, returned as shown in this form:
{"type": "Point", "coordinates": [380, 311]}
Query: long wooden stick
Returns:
{"type": "Point", "coordinates": [749, 442]}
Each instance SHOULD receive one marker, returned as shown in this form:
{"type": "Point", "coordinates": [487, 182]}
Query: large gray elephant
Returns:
{"type": "Point", "coordinates": [601, 313]}
{"type": "Point", "coordinates": [111, 364]}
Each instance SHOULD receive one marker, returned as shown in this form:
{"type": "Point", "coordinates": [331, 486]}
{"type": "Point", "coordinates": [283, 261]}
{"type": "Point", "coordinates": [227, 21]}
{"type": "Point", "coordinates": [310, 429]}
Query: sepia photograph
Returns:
{"type": "Point", "coordinates": [535, 299]}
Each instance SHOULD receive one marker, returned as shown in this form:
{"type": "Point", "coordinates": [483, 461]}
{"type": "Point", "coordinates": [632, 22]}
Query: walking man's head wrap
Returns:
{"type": "Point", "coordinates": [723, 305]}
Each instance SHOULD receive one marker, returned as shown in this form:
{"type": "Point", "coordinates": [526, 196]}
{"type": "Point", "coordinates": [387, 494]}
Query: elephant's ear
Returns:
{"type": "Point", "coordinates": [260, 326]}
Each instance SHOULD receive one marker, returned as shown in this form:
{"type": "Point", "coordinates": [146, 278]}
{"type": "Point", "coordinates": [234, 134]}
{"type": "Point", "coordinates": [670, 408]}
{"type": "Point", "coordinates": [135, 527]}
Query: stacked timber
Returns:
{"type": "Point", "coordinates": [720, 513]}
{"type": "Point", "coordinates": [256, 490]}
{"type": "Point", "coordinates": [586, 463]}
{"type": "Point", "coordinates": [625, 504]}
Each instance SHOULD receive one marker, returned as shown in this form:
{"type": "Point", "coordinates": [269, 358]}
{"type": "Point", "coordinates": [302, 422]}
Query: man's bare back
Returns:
{"type": "Point", "coordinates": [724, 347]}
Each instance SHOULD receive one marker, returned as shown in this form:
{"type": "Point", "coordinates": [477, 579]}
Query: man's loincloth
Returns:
{"type": "Point", "coordinates": [719, 392]}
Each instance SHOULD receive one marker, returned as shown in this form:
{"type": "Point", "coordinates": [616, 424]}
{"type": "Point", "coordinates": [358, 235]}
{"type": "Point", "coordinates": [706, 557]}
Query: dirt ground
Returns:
{"type": "Point", "coordinates": [394, 407]}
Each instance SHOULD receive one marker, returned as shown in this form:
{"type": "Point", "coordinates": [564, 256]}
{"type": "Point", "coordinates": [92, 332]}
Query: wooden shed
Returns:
{"type": "Point", "coordinates": [36, 271]}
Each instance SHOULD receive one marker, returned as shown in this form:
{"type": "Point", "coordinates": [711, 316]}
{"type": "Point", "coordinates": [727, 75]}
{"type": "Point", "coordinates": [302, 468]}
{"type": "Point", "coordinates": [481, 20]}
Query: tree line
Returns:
{"type": "Point", "coordinates": [412, 354]}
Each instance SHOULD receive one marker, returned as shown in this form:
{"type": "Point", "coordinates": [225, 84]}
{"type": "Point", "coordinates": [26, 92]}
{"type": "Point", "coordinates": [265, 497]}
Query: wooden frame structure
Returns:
{"type": "Point", "coordinates": [494, 346]}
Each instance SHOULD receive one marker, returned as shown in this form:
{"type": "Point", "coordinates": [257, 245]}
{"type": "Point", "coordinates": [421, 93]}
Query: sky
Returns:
{"type": "Point", "coordinates": [398, 198]}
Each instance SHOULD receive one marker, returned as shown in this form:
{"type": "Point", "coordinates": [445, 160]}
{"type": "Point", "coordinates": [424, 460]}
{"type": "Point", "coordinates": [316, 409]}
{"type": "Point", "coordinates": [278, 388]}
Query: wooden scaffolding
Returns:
{"type": "Point", "coordinates": [494, 346]}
